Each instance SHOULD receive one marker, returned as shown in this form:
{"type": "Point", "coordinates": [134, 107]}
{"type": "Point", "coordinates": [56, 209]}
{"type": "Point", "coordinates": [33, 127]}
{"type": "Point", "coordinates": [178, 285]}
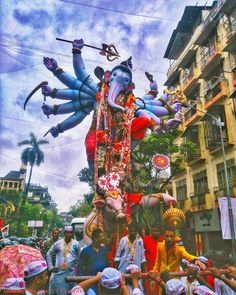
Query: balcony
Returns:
{"type": "Point", "coordinates": [192, 157]}
{"type": "Point", "coordinates": [213, 143]}
{"type": "Point", "coordinates": [217, 91]}
{"type": "Point", "coordinates": [190, 78]}
{"type": "Point", "coordinates": [210, 59]}
{"type": "Point", "coordinates": [230, 37]}
{"type": "Point", "coordinates": [192, 114]}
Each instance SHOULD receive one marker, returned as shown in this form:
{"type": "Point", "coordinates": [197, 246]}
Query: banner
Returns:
{"type": "Point", "coordinates": [224, 217]}
{"type": "Point", "coordinates": [5, 231]}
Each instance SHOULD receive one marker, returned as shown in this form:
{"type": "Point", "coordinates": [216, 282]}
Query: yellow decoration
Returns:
{"type": "Point", "coordinates": [174, 216]}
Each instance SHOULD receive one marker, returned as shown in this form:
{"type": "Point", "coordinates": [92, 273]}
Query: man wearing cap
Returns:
{"type": "Point", "coordinates": [110, 282]}
{"type": "Point", "coordinates": [67, 253]}
{"type": "Point", "coordinates": [36, 277]}
{"type": "Point", "coordinates": [13, 286]}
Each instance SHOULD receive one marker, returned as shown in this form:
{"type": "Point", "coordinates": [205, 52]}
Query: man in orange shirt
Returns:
{"type": "Point", "coordinates": [150, 246]}
{"type": "Point", "coordinates": [169, 254]}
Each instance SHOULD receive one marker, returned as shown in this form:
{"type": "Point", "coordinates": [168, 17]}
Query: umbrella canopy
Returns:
{"type": "Point", "coordinates": [14, 259]}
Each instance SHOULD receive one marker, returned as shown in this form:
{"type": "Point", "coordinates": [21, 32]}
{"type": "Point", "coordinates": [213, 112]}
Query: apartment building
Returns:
{"type": "Point", "coordinates": [202, 55]}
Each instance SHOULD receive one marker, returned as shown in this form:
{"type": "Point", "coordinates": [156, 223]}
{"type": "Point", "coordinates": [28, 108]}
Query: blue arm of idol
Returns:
{"type": "Point", "coordinates": [79, 66]}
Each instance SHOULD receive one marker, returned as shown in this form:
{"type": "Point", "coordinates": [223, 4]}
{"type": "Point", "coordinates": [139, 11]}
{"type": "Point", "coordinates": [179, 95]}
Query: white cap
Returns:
{"type": "Point", "coordinates": [131, 267]}
{"type": "Point", "coordinates": [110, 278]}
{"type": "Point", "coordinates": [203, 290]}
{"type": "Point", "coordinates": [202, 259]}
{"type": "Point", "coordinates": [68, 228]}
{"type": "Point", "coordinates": [14, 284]}
{"type": "Point", "coordinates": [174, 287]}
{"type": "Point", "coordinates": [77, 290]}
{"type": "Point", "coordinates": [35, 268]}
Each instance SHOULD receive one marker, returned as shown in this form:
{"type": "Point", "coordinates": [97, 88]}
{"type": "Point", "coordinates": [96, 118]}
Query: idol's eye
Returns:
{"type": "Point", "coordinates": [109, 206]}
{"type": "Point", "coordinates": [127, 80]}
{"type": "Point", "coordinates": [114, 74]}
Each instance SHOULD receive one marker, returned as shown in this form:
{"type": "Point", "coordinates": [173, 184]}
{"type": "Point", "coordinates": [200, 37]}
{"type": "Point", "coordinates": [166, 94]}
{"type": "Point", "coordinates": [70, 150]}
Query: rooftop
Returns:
{"type": "Point", "coordinates": [12, 175]}
{"type": "Point", "coordinates": [183, 32]}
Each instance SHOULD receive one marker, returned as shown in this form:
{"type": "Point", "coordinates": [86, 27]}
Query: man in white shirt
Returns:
{"type": "Point", "coordinates": [130, 251]}
{"type": "Point", "coordinates": [67, 253]}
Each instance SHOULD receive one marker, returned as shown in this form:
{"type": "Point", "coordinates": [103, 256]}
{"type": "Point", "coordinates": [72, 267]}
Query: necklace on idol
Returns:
{"type": "Point", "coordinates": [66, 250]}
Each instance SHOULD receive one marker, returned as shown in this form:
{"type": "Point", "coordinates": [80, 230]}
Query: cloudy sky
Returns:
{"type": "Point", "coordinates": [138, 28]}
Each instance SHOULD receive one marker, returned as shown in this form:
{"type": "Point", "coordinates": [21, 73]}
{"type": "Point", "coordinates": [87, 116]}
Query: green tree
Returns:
{"type": "Point", "coordinates": [81, 209]}
{"type": "Point", "coordinates": [145, 177]}
{"type": "Point", "coordinates": [50, 220]}
{"type": "Point", "coordinates": [11, 196]}
{"type": "Point", "coordinates": [87, 175]}
{"type": "Point", "coordinates": [32, 155]}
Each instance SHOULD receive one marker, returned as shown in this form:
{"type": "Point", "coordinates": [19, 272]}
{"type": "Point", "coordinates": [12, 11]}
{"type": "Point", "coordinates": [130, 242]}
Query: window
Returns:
{"type": "Point", "coordinates": [212, 131]}
{"type": "Point", "coordinates": [231, 170]}
{"type": "Point", "coordinates": [229, 23]}
{"type": "Point", "coordinates": [208, 50]}
{"type": "Point", "coordinates": [5, 184]}
{"type": "Point", "coordinates": [188, 73]}
{"type": "Point", "coordinates": [200, 183]}
{"type": "Point", "coordinates": [15, 184]}
{"type": "Point", "coordinates": [181, 190]}
{"type": "Point", "coordinates": [10, 184]}
{"type": "Point", "coordinates": [193, 137]}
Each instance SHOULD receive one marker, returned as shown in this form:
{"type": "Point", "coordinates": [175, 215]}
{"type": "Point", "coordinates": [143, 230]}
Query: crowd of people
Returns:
{"type": "Point", "coordinates": [152, 264]}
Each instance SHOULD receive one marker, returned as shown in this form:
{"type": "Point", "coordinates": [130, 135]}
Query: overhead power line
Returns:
{"type": "Point", "coordinates": [117, 11]}
{"type": "Point", "coordinates": [43, 170]}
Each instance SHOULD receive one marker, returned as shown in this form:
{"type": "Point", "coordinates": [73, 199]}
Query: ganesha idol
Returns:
{"type": "Point", "coordinates": [116, 208]}
{"type": "Point", "coordinates": [83, 95]}
{"type": "Point", "coordinates": [120, 121]}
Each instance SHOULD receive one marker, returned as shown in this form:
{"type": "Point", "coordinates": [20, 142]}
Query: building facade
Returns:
{"type": "Point", "coordinates": [38, 194]}
{"type": "Point", "coordinates": [14, 180]}
{"type": "Point", "coordinates": [202, 55]}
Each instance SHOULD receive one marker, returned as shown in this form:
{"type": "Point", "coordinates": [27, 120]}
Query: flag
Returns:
{"type": "Point", "coordinates": [224, 217]}
{"type": "Point", "coordinates": [5, 230]}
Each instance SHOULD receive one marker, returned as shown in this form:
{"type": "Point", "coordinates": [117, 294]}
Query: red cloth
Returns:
{"type": "Point", "coordinates": [150, 246]}
{"type": "Point", "coordinates": [139, 127]}
{"type": "Point", "coordinates": [210, 279]}
{"type": "Point", "coordinates": [135, 198]}
{"type": "Point", "coordinates": [90, 143]}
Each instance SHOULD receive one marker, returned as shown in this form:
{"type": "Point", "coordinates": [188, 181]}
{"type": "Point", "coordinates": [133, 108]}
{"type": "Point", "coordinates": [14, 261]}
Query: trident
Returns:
{"type": "Point", "coordinates": [107, 50]}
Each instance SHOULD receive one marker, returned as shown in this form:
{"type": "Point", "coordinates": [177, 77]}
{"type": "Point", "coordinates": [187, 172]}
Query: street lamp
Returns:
{"type": "Point", "coordinates": [230, 210]}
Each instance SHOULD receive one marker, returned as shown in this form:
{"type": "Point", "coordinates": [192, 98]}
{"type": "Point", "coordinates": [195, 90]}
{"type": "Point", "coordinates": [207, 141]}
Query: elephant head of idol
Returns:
{"type": "Point", "coordinates": [120, 80]}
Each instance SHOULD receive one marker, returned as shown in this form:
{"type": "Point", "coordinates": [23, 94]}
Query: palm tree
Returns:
{"type": "Point", "coordinates": [32, 155]}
